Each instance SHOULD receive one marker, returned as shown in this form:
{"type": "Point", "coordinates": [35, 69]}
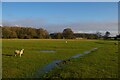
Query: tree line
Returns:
{"type": "Point", "coordinates": [24, 32]}
{"type": "Point", "coordinates": [33, 33]}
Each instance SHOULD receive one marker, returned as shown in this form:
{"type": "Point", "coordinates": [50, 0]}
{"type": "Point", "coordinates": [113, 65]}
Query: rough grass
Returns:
{"type": "Point", "coordinates": [102, 63]}
{"type": "Point", "coordinates": [15, 67]}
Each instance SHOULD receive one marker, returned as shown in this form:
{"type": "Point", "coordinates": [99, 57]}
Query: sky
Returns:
{"type": "Point", "coordinates": [60, 0]}
{"type": "Point", "coordinates": [88, 17]}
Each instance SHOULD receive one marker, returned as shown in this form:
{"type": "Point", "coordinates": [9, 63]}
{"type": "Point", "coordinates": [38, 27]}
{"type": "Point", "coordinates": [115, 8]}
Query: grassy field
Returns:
{"type": "Point", "coordinates": [99, 64]}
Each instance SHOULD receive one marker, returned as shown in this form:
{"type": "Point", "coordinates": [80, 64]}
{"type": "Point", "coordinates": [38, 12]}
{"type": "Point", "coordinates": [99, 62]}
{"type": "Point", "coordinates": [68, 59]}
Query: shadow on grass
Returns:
{"type": "Point", "coordinates": [7, 55]}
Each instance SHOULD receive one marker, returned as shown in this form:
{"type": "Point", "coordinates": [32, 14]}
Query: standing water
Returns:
{"type": "Point", "coordinates": [53, 64]}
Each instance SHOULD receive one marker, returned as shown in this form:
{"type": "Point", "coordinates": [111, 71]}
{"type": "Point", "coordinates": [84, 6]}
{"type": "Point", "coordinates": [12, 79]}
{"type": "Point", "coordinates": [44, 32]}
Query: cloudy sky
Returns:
{"type": "Point", "coordinates": [55, 16]}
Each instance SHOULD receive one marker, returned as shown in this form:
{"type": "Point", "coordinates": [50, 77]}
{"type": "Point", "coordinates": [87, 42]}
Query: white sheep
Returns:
{"type": "Point", "coordinates": [19, 52]}
{"type": "Point", "coordinates": [66, 41]}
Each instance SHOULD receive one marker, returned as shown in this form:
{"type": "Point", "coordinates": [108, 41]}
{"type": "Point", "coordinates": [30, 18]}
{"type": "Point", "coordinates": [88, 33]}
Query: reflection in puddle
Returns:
{"type": "Point", "coordinates": [47, 68]}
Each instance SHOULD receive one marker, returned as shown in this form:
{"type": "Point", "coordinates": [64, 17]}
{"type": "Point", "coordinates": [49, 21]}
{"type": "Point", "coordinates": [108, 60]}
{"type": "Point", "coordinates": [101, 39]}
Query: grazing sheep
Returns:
{"type": "Point", "coordinates": [19, 52]}
{"type": "Point", "coordinates": [66, 41]}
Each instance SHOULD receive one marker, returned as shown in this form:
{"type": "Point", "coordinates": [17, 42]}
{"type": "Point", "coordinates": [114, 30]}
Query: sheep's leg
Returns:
{"type": "Point", "coordinates": [20, 55]}
{"type": "Point", "coordinates": [15, 54]}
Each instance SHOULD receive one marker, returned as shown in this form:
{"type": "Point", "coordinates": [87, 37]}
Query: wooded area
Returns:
{"type": "Point", "coordinates": [34, 33]}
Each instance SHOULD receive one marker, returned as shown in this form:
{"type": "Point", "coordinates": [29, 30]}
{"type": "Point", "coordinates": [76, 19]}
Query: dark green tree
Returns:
{"type": "Point", "coordinates": [31, 32]}
{"type": "Point", "coordinates": [6, 32]}
{"type": "Point", "coordinates": [41, 33]}
{"type": "Point", "coordinates": [99, 35]}
{"type": "Point", "coordinates": [58, 36]}
{"type": "Point", "coordinates": [68, 33]}
{"type": "Point", "coordinates": [107, 34]}
{"type": "Point", "coordinates": [13, 34]}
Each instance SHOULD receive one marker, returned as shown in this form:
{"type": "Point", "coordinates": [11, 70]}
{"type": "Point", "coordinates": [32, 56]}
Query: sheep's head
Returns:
{"type": "Point", "coordinates": [22, 49]}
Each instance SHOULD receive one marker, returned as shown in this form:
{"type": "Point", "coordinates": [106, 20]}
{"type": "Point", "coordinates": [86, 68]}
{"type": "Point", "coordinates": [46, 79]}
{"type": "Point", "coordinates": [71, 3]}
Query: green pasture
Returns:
{"type": "Point", "coordinates": [101, 63]}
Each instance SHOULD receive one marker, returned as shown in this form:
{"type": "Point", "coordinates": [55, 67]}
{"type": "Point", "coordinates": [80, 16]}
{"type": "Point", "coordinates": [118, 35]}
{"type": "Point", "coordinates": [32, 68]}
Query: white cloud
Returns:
{"type": "Point", "coordinates": [113, 33]}
{"type": "Point", "coordinates": [83, 27]}
{"type": "Point", "coordinates": [25, 22]}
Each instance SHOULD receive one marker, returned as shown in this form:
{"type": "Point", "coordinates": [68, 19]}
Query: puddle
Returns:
{"type": "Point", "coordinates": [93, 49]}
{"type": "Point", "coordinates": [48, 51]}
{"type": "Point", "coordinates": [86, 52]}
{"type": "Point", "coordinates": [100, 42]}
{"type": "Point", "coordinates": [76, 56]}
{"type": "Point", "coordinates": [47, 68]}
{"type": "Point", "coordinates": [53, 64]}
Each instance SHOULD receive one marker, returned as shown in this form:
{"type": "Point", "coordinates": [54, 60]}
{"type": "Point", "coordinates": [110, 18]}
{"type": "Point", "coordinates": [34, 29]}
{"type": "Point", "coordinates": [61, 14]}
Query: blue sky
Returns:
{"type": "Point", "coordinates": [55, 16]}
{"type": "Point", "coordinates": [60, 0]}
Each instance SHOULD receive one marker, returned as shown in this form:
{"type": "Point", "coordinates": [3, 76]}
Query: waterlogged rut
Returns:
{"type": "Point", "coordinates": [55, 63]}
